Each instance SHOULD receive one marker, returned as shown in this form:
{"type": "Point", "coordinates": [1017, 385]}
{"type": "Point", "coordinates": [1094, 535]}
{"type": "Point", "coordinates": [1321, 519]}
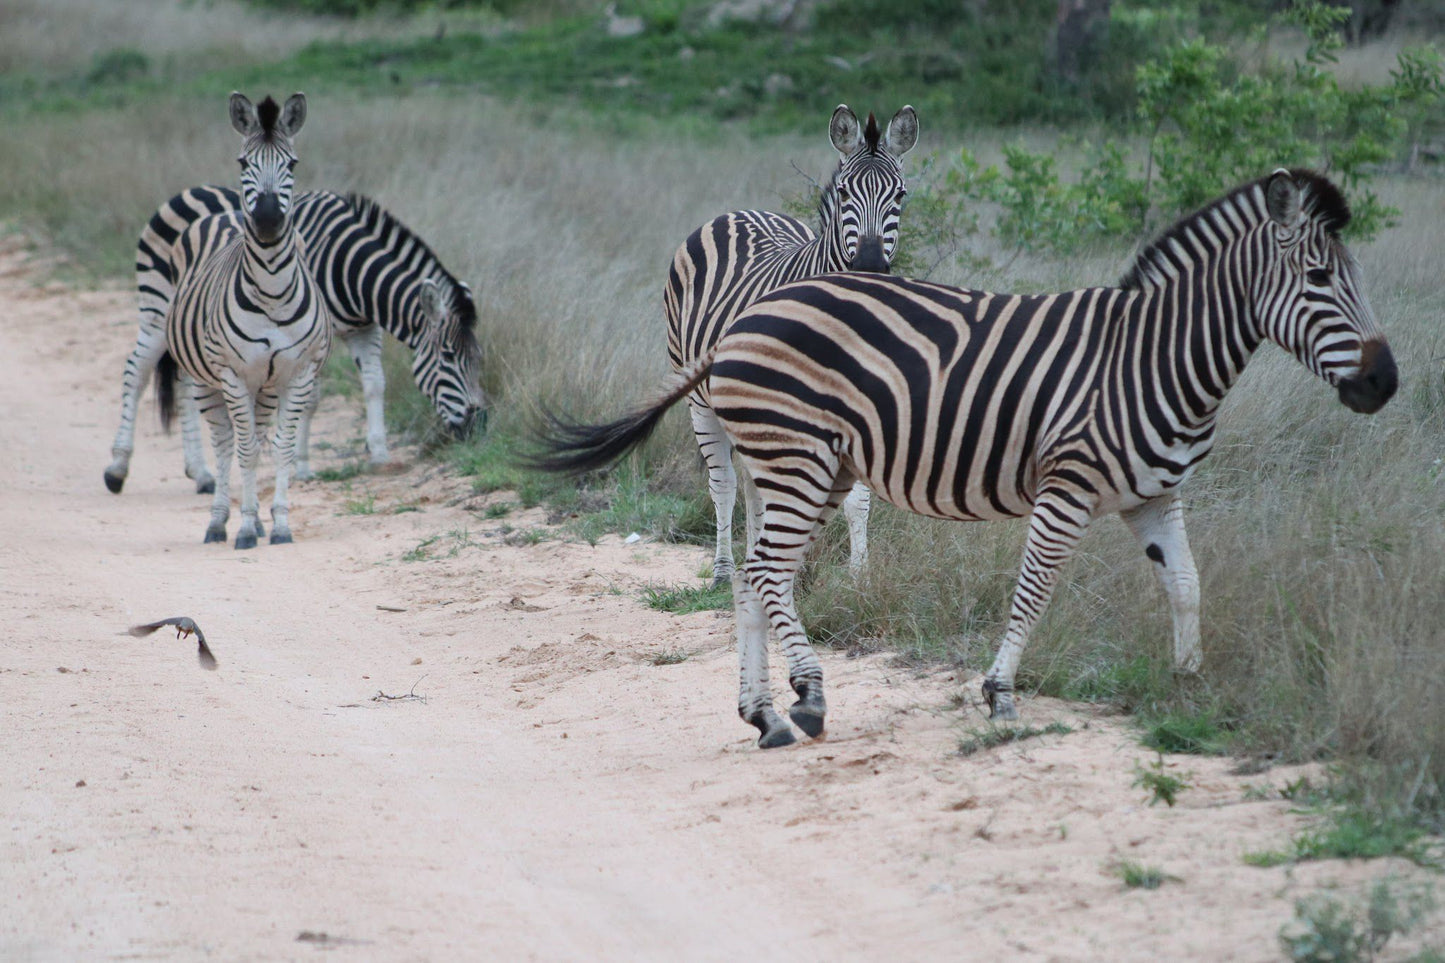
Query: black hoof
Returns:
{"type": "Point", "coordinates": [777, 738]}
{"type": "Point", "coordinates": [216, 533]}
{"type": "Point", "coordinates": [718, 581]}
{"type": "Point", "coordinates": [260, 529]}
{"type": "Point", "coordinates": [808, 717]}
{"type": "Point", "coordinates": [1000, 700]}
{"type": "Point", "coordinates": [280, 538]}
{"type": "Point", "coordinates": [246, 540]}
{"type": "Point", "coordinates": [206, 487]}
{"type": "Point", "coordinates": [114, 482]}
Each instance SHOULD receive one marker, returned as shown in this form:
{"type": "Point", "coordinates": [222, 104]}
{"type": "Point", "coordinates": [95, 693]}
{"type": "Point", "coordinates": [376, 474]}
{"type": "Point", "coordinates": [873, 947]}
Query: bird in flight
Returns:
{"type": "Point", "coordinates": [184, 626]}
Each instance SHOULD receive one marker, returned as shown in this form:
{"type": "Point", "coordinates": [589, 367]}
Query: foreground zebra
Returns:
{"type": "Point", "coordinates": [373, 272]}
{"type": "Point", "coordinates": [968, 405]}
{"type": "Point", "coordinates": [729, 262]}
{"type": "Point", "coordinates": [247, 323]}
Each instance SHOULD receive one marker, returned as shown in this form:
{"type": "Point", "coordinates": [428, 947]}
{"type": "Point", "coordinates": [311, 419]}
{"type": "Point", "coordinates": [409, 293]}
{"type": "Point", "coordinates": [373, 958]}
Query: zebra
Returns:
{"type": "Point", "coordinates": [372, 270]}
{"type": "Point", "coordinates": [733, 259]}
{"type": "Point", "coordinates": [968, 405]}
{"type": "Point", "coordinates": [247, 322]}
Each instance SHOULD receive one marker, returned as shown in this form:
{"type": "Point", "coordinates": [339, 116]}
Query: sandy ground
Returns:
{"type": "Point", "coordinates": [551, 793]}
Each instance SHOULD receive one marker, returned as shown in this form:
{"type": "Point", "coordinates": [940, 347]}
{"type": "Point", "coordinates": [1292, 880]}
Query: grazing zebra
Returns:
{"type": "Point", "coordinates": [734, 259]}
{"type": "Point", "coordinates": [247, 322]}
{"type": "Point", "coordinates": [372, 270]}
{"type": "Point", "coordinates": [968, 405]}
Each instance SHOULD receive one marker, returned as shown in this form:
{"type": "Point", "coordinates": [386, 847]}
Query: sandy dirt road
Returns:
{"type": "Point", "coordinates": [556, 795]}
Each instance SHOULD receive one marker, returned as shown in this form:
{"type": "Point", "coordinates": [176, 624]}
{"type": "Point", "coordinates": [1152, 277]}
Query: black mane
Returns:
{"type": "Point", "coordinates": [268, 112]}
{"type": "Point", "coordinates": [381, 221]}
{"type": "Point", "coordinates": [1320, 199]}
{"type": "Point", "coordinates": [871, 134]}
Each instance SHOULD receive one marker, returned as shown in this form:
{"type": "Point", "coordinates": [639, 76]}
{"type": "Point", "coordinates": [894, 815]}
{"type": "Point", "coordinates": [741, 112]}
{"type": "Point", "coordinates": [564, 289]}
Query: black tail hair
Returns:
{"type": "Point", "coordinates": [569, 447]}
{"type": "Point", "coordinates": [166, 390]}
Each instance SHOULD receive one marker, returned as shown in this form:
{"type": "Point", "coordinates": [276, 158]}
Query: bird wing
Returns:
{"type": "Point", "coordinates": [150, 627]}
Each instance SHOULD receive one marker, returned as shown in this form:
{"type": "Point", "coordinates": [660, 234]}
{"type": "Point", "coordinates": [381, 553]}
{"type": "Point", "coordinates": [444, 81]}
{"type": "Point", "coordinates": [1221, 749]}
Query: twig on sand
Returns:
{"type": "Point", "coordinates": [410, 696]}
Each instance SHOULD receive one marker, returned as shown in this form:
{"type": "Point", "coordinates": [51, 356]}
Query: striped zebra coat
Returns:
{"type": "Point", "coordinates": [247, 323]}
{"type": "Point", "coordinates": [968, 405]}
{"type": "Point", "coordinates": [729, 262]}
{"type": "Point", "coordinates": [375, 275]}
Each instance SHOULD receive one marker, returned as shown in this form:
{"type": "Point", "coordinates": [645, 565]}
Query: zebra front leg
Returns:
{"type": "Point", "coordinates": [364, 343]}
{"type": "Point", "coordinates": [1059, 520]}
{"type": "Point", "coordinates": [242, 409]}
{"type": "Point", "coordinates": [302, 470]}
{"type": "Point", "coordinates": [856, 508]}
{"type": "Point", "coordinates": [149, 346]}
{"type": "Point", "coordinates": [297, 402]}
{"type": "Point", "coordinates": [213, 407]}
{"type": "Point", "coordinates": [1159, 526]}
{"type": "Point", "coordinates": [722, 485]}
{"type": "Point", "coordinates": [755, 693]}
{"type": "Point", "coordinates": [191, 445]}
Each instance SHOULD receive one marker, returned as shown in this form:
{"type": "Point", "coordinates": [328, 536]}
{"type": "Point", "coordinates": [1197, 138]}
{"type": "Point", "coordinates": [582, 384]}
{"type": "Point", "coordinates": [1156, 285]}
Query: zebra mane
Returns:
{"type": "Point", "coordinates": [1320, 200]}
{"type": "Point", "coordinates": [381, 221]}
{"type": "Point", "coordinates": [268, 112]}
{"type": "Point", "coordinates": [871, 134]}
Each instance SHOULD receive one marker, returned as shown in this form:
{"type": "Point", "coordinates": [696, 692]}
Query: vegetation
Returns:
{"type": "Point", "coordinates": [684, 599]}
{"type": "Point", "coordinates": [1327, 929]}
{"type": "Point", "coordinates": [995, 736]}
{"type": "Point", "coordinates": [1163, 786]}
{"type": "Point", "coordinates": [1138, 876]}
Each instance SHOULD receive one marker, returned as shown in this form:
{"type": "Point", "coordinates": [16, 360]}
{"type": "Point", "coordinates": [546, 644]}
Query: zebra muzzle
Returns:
{"type": "Point", "coordinates": [268, 217]}
{"type": "Point", "coordinates": [869, 256]}
{"type": "Point", "coordinates": [1375, 383]}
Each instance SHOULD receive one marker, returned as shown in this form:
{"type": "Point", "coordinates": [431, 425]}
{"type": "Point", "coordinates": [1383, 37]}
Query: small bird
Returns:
{"type": "Point", "coordinates": [184, 626]}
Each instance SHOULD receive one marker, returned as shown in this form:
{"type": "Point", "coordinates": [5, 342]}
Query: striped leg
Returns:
{"type": "Point", "coordinates": [302, 470]}
{"type": "Point", "coordinates": [1059, 520]}
{"type": "Point", "coordinates": [792, 519]}
{"type": "Point", "coordinates": [1159, 526]}
{"type": "Point", "coordinates": [191, 444]}
{"type": "Point", "coordinates": [722, 484]}
{"type": "Point", "coordinates": [223, 440]}
{"type": "Point", "coordinates": [364, 343]}
{"type": "Point", "coordinates": [150, 344]}
{"type": "Point", "coordinates": [294, 406]}
{"type": "Point", "coordinates": [242, 409]}
{"type": "Point", "coordinates": [856, 508]}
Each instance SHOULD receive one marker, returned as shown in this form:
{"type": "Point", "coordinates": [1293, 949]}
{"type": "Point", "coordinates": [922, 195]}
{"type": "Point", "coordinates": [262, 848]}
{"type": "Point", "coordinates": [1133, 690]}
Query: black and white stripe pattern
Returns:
{"type": "Point", "coordinates": [247, 323]}
{"type": "Point", "coordinates": [968, 405]}
{"type": "Point", "coordinates": [728, 263]}
{"type": "Point", "coordinates": [375, 275]}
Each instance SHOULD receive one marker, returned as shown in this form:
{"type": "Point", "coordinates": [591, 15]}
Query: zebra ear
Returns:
{"type": "Point", "coordinates": [843, 130]}
{"type": "Point", "coordinates": [431, 299]}
{"type": "Point", "coordinates": [243, 114]}
{"type": "Point", "coordinates": [293, 115]}
{"type": "Point", "coordinates": [902, 132]}
{"type": "Point", "coordinates": [1282, 198]}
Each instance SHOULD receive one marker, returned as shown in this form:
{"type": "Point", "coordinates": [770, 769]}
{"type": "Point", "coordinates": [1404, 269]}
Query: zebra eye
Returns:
{"type": "Point", "coordinates": [1319, 277]}
{"type": "Point", "coordinates": [291, 165]}
{"type": "Point", "coordinates": [842, 193]}
{"type": "Point", "coordinates": [245, 164]}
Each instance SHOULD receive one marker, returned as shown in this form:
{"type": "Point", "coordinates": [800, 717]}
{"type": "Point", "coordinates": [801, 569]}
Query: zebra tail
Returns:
{"type": "Point", "coordinates": [571, 448]}
{"type": "Point", "coordinates": [166, 390]}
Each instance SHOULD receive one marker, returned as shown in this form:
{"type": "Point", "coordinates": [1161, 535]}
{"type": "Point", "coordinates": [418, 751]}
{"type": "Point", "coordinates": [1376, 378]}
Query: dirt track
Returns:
{"type": "Point", "coordinates": [556, 795]}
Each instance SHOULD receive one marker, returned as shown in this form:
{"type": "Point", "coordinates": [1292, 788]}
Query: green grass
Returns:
{"type": "Point", "coordinates": [981, 740]}
{"type": "Point", "coordinates": [360, 506]}
{"type": "Point", "coordinates": [1138, 876]}
{"type": "Point", "coordinates": [684, 599]}
{"type": "Point", "coordinates": [669, 657]}
{"type": "Point", "coordinates": [1162, 786]}
{"type": "Point", "coordinates": [346, 472]}
{"type": "Point", "coordinates": [1190, 732]}
{"type": "Point", "coordinates": [1351, 832]}
{"type": "Point", "coordinates": [1328, 929]}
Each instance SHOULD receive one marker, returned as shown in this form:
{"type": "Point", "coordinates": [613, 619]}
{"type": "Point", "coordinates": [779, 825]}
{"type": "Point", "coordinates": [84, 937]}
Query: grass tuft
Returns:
{"type": "Point", "coordinates": [995, 736]}
{"type": "Point", "coordinates": [1163, 786]}
{"type": "Point", "coordinates": [1327, 929]}
{"type": "Point", "coordinates": [684, 599]}
{"type": "Point", "coordinates": [1138, 876]}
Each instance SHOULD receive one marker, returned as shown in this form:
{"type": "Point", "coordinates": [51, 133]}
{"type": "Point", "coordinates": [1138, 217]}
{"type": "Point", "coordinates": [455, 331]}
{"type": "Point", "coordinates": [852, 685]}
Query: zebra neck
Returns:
{"type": "Point", "coordinates": [270, 273]}
{"type": "Point", "coordinates": [828, 254]}
{"type": "Point", "coordinates": [1192, 335]}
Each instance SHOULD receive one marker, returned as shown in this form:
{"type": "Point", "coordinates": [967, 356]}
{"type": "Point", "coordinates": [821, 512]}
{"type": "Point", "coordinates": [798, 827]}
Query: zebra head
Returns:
{"type": "Point", "coordinates": [1311, 300]}
{"type": "Point", "coordinates": [861, 205]}
{"type": "Point", "coordinates": [267, 161]}
{"type": "Point", "coordinates": [448, 361]}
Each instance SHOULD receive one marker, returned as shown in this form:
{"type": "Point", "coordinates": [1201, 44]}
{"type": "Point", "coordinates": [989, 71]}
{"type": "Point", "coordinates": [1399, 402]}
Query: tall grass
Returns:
{"type": "Point", "coordinates": [1318, 533]}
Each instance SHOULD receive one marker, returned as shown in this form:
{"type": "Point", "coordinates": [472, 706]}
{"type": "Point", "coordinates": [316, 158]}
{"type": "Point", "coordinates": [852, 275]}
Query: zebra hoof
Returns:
{"type": "Point", "coordinates": [206, 486]}
{"type": "Point", "coordinates": [1000, 701]}
{"type": "Point", "coordinates": [808, 717]}
{"type": "Point", "coordinates": [216, 533]}
{"type": "Point", "coordinates": [280, 538]}
{"type": "Point", "coordinates": [260, 528]}
{"type": "Point", "coordinates": [718, 581]}
{"type": "Point", "coordinates": [777, 738]}
{"type": "Point", "coordinates": [114, 482]}
{"type": "Point", "coordinates": [245, 540]}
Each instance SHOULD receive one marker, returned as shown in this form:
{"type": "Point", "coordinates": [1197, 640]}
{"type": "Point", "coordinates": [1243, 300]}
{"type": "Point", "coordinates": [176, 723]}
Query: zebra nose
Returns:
{"type": "Point", "coordinates": [869, 256]}
{"type": "Point", "coordinates": [268, 216]}
{"type": "Point", "coordinates": [1375, 383]}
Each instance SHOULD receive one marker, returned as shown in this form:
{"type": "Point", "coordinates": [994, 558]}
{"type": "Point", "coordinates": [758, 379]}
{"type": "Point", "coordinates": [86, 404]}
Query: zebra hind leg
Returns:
{"type": "Point", "coordinates": [755, 694]}
{"type": "Point", "coordinates": [191, 444]}
{"type": "Point", "coordinates": [856, 508]}
{"type": "Point", "coordinates": [1159, 526]}
{"type": "Point", "coordinates": [722, 485]}
{"type": "Point", "coordinates": [295, 409]}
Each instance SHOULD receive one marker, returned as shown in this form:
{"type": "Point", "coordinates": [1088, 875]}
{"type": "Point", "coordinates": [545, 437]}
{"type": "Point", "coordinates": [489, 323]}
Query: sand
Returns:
{"type": "Point", "coordinates": [490, 752]}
